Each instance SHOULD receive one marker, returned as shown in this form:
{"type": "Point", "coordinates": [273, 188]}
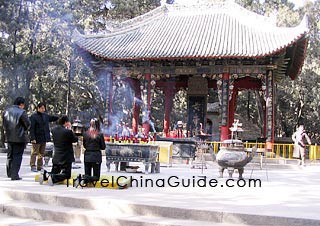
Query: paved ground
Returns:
{"type": "Point", "coordinates": [290, 192]}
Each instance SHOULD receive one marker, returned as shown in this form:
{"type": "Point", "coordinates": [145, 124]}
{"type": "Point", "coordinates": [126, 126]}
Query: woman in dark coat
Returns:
{"type": "Point", "coordinates": [93, 142]}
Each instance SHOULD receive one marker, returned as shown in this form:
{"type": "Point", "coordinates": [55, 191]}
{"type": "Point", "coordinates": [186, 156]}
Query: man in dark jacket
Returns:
{"type": "Point", "coordinates": [15, 123]}
{"type": "Point", "coordinates": [39, 135]}
{"type": "Point", "coordinates": [63, 156]}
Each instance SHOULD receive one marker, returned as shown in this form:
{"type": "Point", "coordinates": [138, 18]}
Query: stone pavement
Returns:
{"type": "Point", "coordinates": [287, 195]}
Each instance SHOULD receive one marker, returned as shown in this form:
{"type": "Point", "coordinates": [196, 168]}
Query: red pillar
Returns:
{"type": "Point", "coordinates": [146, 123]}
{"type": "Point", "coordinates": [224, 133]}
{"type": "Point", "coordinates": [265, 119]}
{"type": "Point", "coordinates": [168, 92]}
{"type": "Point", "coordinates": [108, 109]}
{"type": "Point", "coordinates": [270, 109]}
{"type": "Point", "coordinates": [224, 129]}
{"type": "Point", "coordinates": [136, 107]}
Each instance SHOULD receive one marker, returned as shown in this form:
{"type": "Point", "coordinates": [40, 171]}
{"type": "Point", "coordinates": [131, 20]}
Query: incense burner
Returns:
{"type": "Point", "coordinates": [233, 155]}
{"type": "Point", "coordinates": [122, 152]}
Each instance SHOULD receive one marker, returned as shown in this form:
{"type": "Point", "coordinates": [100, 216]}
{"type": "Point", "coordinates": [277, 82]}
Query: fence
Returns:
{"type": "Point", "coordinates": [279, 150]}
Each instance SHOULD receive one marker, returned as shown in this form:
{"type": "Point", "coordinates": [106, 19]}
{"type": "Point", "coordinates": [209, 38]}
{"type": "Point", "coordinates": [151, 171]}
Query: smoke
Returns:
{"type": "Point", "coordinates": [146, 119]}
{"type": "Point", "coordinates": [138, 101]}
{"type": "Point", "coordinates": [121, 99]}
{"type": "Point", "coordinates": [153, 129]}
{"type": "Point", "coordinates": [13, 84]}
{"type": "Point", "coordinates": [113, 127]}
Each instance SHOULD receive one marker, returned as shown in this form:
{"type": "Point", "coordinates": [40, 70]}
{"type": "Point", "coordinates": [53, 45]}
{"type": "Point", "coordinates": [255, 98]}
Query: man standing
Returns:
{"type": "Point", "coordinates": [15, 123]}
{"type": "Point", "coordinates": [299, 147]}
{"type": "Point", "coordinates": [39, 135]}
{"type": "Point", "coordinates": [63, 156]}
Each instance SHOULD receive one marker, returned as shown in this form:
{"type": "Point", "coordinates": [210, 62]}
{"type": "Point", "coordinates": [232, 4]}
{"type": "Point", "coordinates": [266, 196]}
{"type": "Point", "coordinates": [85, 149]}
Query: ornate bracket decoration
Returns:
{"type": "Point", "coordinates": [153, 85]}
{"type": "Point", "coordinates": [262, 77]}
{"type": "Point", "coordinates": [231, 84]}
{"type": "Point", "coordinates": [219, 83]}
{"type": "Point", "coordinates": [144, 96]}
{"type": "Point", "coordinates": [108, 84]}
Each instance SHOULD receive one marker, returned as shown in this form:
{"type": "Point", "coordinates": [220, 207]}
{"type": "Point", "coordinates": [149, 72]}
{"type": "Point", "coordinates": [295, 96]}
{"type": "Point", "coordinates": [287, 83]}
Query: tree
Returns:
{"type": "Point", "coordinates": [38, 60]}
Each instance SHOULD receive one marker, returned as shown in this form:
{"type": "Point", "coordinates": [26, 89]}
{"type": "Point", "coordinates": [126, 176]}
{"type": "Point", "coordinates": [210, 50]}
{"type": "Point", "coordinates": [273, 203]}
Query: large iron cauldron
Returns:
{"type": "Point", "coordinates": [123, 152]}
{"type": "Point", "coordinates": [233, 155]}
{"type": "Point", "coordinates": [182, 147]}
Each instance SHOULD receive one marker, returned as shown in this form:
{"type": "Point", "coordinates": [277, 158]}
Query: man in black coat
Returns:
{"type": "Point", "coordinates": [63, 156]}
{"type": "Point", "coordinates": [39, 135]}
{"type": "Point", "coordinates": [15, 123]}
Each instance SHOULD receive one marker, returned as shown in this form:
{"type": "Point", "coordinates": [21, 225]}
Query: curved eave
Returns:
{"type": "Point", "coordinates": [297, 58]}
{"type": "Point", "coordinates": [274, 52]}
{"type": "Point", "coordinates": [221, 41]}
{"type": "Point", "coordinates": [216, 33]}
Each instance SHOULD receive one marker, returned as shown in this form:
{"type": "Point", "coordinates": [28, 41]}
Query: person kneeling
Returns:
{"type": "Point", "coordinates": [93, 142]}
{"type": "Point", "coordinates": [63, 156]}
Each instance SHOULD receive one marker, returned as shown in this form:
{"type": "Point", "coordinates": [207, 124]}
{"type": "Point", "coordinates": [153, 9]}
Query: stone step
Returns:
{"type": "Point", "coordinates": [82, 211]}
{"type": "Point", "coordinates": [16, 221]}
{"type": "Point", "coordinates": [37, 205]}
{"type": "Point", "coordinates": [37, 213]}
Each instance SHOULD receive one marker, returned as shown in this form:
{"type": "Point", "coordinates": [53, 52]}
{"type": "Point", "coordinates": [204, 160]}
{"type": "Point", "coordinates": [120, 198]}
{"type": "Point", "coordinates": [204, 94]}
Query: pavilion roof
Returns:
{"type": "Point", "coordinates": [211, 30]}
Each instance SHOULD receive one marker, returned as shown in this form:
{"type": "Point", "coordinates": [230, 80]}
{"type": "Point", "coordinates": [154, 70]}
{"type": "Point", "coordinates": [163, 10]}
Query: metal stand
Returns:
{"type": "Point", "coordinates": [200, 164]}
{"type": "Point", "coordinates": [262, 157]}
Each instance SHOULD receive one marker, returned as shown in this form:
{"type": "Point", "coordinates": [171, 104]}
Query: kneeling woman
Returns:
{"type": "Point", "coordinates": [93, 142]}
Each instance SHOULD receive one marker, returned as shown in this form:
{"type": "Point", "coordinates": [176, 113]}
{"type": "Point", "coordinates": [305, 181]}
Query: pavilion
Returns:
{"type": "Point", "coordinates": [207, 45]}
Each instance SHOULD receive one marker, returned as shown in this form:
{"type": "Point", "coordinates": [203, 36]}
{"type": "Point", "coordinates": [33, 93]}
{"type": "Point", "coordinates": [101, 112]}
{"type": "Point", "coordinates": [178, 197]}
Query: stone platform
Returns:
{"type": "Point", "coordinates": [285, 197]}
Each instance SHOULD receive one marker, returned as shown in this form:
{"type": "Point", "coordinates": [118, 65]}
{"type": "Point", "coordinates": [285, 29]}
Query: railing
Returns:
{"type": "Point", "coordinates": [314, 152]}
{"type": "Point", "coordinates": [278, 150]}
